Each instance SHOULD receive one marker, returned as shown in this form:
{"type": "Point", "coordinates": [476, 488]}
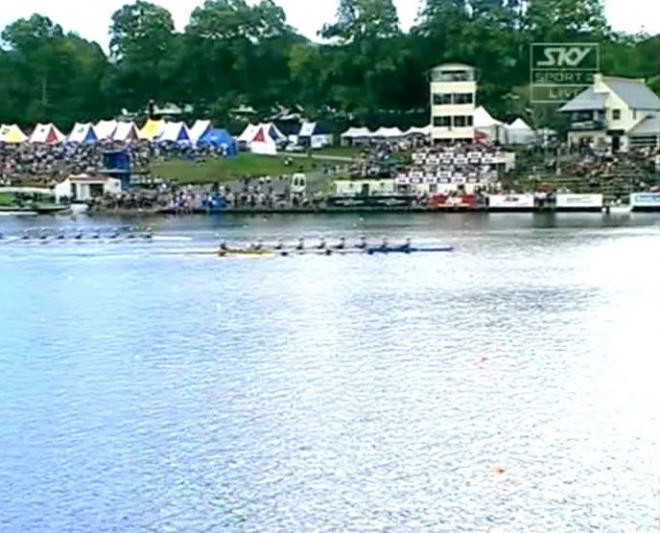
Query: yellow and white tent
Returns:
{"type": "Point", "coordinates": [12, 134]}
{"type": "Point", "coordinates": [152, 129]}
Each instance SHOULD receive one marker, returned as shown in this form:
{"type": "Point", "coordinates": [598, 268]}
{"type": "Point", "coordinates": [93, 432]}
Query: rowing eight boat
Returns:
{"type": "Point", "coordinates": [327, 251]}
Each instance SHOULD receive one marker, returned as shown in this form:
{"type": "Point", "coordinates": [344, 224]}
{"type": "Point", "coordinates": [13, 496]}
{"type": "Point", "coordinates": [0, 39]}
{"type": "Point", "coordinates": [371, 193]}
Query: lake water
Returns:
{"type": "Point", "coordinates": [509, 386]}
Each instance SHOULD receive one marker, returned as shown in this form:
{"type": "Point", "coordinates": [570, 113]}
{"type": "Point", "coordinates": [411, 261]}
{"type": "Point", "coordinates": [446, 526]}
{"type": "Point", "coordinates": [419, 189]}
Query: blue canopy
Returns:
{"type": "Point", "coordinates": [219, 138]}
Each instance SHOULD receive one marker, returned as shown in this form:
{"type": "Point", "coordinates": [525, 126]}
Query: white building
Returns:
{"type": "Point", "coordinates": [616, 112]}
{"type": "Point", "coordinates": [83, 188]}
{"type": "Point", "coordinates": [453, 91]}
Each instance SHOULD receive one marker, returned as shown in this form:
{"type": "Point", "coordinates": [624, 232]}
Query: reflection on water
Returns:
{"type": "Point", "coordinates": [511, 385]}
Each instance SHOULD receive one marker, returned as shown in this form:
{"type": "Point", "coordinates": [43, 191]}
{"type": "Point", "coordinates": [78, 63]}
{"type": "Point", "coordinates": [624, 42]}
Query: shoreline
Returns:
{"type": "Point", "coordinates": [239, 211]}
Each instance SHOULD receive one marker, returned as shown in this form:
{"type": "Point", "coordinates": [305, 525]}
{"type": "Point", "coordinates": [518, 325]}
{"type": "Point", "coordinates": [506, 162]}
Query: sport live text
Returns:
{"type": "Point", "coordinates": [559, 71]}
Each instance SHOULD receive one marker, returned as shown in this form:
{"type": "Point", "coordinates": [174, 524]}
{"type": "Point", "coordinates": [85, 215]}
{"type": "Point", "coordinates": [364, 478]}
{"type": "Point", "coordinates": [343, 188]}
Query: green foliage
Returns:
{"type": "Point", "coordinates": [237, 53]}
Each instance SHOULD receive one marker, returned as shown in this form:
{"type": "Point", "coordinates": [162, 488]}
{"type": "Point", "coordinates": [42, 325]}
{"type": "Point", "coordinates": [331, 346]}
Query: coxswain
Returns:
{"type": "Point", "coordinates": [341, 244]}
{"type": "Point", "coordinates": [321, 244]}
{"type": "Point", "coordinates": [362, 245]}
{"type": "Point", "coordinates": [301, 244]}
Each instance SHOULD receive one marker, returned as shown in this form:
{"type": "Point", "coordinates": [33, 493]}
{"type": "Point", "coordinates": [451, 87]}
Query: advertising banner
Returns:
{"type": "Point", "coordinates": [511, 201]}
{"type": "Point", "coordinates": [645, 199]}
{"type": "Point", "coordinates": [579, 201]}
{"type": "Point", "coordinates": [443, 201]}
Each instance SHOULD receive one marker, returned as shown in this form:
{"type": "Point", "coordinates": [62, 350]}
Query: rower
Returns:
{"type": "Point", "coordinates": [222, 248]}
{"type": "Point", "coordinates": [148, 234]}
{"type": "Point", "coordinates": [61, 236]}
{"type": "Point", "coordinates": [407, 245]}
{"type": "Point", "coordinates": [279, 245]}
{"type": "Point", "coordinates": [301, 244]}
{"type": "Point", "coordinates": [321, 244]}
{"type": "Point", "coordinates": [258, 246]}
{"type": "Point", "coordinates": [341, 244]}
{"type": "Point", "coordinates": [362, 244]}
{"type": "Point", "coordinates": [384, 244]}
{"type": "Point", "coordinates": [79, 235]}
{"type": "Point", "coordinates": [26, 235]}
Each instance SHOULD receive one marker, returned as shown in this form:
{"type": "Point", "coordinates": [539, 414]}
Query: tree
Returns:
{"type": "Point", "coordinates": [565, 20]}
{"type": "Point", "coordinates": [363, 19]}
{"type": "Point", "coordinates": [52, 75]}
{"type": "Point", "coordinates": [141, 46]}
{"type": "Point", "coordinates": [236, 52]}
{"type": "Point", "coordinates": [244, 46]}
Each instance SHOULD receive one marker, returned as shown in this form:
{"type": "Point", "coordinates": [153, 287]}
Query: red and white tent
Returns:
{"type": "Point", "coordinates": [46, 134]}
{"type": "Point", "coordinates": [262, 142]}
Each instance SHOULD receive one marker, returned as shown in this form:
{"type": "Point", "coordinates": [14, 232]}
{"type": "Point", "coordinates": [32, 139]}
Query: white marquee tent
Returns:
{"type": "Point", "coordinates": [199, 128]}
{"type": "Point", "coordinates": [518, 132]}
{"type": "Point", "coordinates": [82, 132]}
{"type": "Point", "coordinates": [46, 134]}
{"type": "Point", "coordinates": [424, 131]}
{"type": "Point", "coordinates": [105, 129]}
{"type": "Point", "coordinates": [355, 135]}
{"type": "Point", "coordinates": [174, 132]}
{"type": "Point", "coordinates": [12, 134]}
{"type": "Point", "coordinates": [312, 135]}
{"type": "Point", "coordinates": [262, 142]}
{"type": "Point", "coordinates": [125, 131]}
{"type": "Point", "coordinates": [387, 133]}
{"type": "Point", "coordinates": [248, 133]}
{"type": "Point", "coordinates": [493, 129]}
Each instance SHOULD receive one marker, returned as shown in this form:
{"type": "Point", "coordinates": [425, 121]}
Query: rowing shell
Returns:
{"type": "Point", "coordinates": [329, 251]}
{"type": "Point", "coordinates": [410, 250]}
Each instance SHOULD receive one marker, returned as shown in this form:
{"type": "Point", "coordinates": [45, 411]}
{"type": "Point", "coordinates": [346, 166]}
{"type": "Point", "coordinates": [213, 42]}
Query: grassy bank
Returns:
{"type": "Point", "coordinates": [230, 169]}
{"type": "Point", "coordinates": [7, 200]}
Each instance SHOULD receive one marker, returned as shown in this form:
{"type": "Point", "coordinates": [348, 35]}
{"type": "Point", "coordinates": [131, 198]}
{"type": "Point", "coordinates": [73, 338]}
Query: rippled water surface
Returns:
{"type": "Point", "coordinates": [511, 385]}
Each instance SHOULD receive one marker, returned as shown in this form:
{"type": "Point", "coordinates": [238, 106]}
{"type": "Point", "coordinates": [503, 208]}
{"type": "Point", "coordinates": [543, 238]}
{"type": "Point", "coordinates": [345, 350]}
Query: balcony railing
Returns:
{"type": "Point", "coordinates": [588, 125]}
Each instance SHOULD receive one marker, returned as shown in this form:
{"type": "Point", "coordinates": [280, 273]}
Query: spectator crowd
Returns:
{"type": "Point", "coordinates": [46, 164]}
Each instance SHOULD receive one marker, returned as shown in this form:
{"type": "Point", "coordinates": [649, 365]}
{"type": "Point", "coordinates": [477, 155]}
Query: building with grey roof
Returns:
{"type": "Point", "coordinates": [622, 113]}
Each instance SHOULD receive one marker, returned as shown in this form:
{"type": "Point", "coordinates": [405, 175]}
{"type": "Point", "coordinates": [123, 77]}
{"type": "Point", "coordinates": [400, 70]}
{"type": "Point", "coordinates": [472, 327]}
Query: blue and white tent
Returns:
{"type": "Point", "coordinates": [199, 128]}
{"type": "Point", "coordinates": [174, 132]}
{"type": "Point", "coordinates": [312, 135]}
{"type": "Point", "coordinates": [82, 133]}
{"type": "Point", "coordinates": [219, 139]}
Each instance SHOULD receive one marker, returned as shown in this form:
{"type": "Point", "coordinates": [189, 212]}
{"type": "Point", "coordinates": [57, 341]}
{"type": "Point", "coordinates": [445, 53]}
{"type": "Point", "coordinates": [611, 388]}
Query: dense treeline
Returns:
{"type": "Point", "coordinates": [232, 54]}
